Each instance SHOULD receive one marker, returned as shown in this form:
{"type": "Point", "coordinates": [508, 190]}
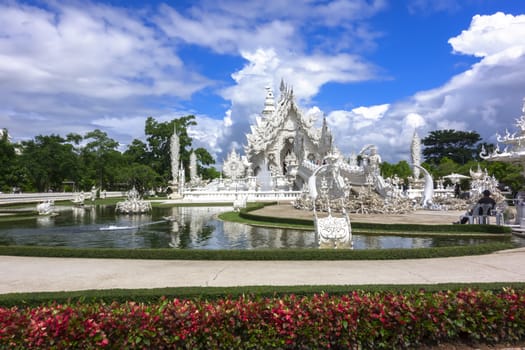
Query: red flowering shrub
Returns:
{"type": "Point", "coordinates": [360, 319]}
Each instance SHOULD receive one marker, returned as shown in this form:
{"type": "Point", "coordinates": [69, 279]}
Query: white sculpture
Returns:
{"type": "Point", "coordinates": [78, 198]}
{"type": "Point", "coordinates": [174, 150]}
{"type": "Point", "coordinates": [234, 167]}
{"type": "Point", "coordinates": [46, 208]}
{"type": "Point", "coordinates": [428, 191]}
{"type": "Point", "coordinates": [334, 232]}
{"type": "Point", "coordinates": [240, 203]}
{"type": "Point", "coordinates": [133, 204]}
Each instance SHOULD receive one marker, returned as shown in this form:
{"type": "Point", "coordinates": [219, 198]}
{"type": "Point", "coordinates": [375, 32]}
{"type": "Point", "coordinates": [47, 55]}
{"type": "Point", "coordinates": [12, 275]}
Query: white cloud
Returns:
{"type": "Point", "coordinates": [485, 98]}
{"type": "Point", "coordinates": [429, 6]}
{"type": "Point", "coordinates": [97, 51]}
{"type": "Point", "coordinates": [233, 26]}
{"type": "Point", "coordinates": [414, 120]}
{"type": "Point", "coordinates": [491, 35]}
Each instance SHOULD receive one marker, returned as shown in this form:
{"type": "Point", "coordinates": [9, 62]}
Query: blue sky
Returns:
{"type": "Point", "coordinates": [376, 69]}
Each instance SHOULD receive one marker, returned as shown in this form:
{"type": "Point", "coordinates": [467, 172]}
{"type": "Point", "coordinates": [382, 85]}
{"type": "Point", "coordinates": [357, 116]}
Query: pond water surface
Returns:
{"type": "Point", "coordinates": [199, 228]}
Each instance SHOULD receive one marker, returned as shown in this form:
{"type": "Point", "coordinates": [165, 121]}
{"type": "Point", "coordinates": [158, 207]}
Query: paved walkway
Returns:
{"type": "Point", "coordinates": [27, 274]}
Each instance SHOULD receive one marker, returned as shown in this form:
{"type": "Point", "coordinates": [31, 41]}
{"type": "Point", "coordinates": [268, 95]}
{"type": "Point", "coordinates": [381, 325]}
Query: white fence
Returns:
{"type": "Point", "coordinates": [7, 198]}
{"type": "Point", "coordinates": [231, 196]}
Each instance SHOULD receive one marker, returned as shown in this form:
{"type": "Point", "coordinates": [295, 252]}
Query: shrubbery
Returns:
{"type": "Point", "coordinates": [380, 320]}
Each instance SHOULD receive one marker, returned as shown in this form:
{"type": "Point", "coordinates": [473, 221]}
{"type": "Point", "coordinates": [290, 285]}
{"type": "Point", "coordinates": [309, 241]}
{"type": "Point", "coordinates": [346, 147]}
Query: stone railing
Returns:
{"type": "Point", "coordinates": [231, 196]}
{"type": "Point", "coordinates": [7, 198]}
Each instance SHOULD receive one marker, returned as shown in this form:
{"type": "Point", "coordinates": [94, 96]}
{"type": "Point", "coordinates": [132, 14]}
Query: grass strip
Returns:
{"type": "Point", "coordinates": [255, 254]}
{"type": "Point", "coordinates": [211, 293]}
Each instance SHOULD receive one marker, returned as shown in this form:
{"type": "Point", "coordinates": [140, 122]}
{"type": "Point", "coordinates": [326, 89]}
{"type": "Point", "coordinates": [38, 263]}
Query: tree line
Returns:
{"type": "Point", "coordinates": [79, 162]}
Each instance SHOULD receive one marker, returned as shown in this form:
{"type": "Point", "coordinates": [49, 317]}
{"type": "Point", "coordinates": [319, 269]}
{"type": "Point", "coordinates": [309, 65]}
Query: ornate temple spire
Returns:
{"type": "Point", "coordinates": [269, 103]}
{"type": "Point", "coordinates": [174, 150]}
{"type": "Point", "coordinates": [326, 140]}
{"type": "Point", "coordinates": [193, 165]}
{"type": "Point", "coordinates": [415, 149]}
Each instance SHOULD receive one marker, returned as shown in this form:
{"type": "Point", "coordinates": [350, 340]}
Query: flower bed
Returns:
{"type": "Point", "coordinates": [382, 320]}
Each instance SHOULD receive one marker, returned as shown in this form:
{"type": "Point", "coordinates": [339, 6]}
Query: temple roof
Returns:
{"type": "Point", "coordinates": [274, 119]}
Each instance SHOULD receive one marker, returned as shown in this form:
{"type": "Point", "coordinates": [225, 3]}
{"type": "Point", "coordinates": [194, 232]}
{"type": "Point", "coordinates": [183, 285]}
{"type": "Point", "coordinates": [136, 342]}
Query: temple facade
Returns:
{"type": "Point", "coordinates": [284, 148]}
{"type": "Point", "coordinates": [281, 140]}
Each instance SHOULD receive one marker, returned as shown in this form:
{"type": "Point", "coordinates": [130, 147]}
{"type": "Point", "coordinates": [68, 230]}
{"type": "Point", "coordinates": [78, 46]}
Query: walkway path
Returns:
{"type": "Point", "coordinates": [27, 274]}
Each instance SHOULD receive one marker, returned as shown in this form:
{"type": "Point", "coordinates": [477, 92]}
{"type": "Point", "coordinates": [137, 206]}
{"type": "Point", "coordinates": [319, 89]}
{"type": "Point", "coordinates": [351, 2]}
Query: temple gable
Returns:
{"type": "Point", "coordinates": [283, 136]}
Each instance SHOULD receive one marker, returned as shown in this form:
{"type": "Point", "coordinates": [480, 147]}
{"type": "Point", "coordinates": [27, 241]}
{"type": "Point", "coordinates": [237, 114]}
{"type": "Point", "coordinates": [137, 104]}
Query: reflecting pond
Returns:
{"type": "Point", "coordinates": [199, 228]}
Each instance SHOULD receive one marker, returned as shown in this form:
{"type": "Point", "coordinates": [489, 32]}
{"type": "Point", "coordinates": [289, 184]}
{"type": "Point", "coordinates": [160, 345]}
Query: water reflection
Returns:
{"type": "Point", "coordinates": [179, 228]}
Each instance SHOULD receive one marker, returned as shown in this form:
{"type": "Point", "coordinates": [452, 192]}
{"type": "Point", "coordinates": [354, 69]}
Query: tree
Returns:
{"type": "Point", "coordinates": [8, 162]}
{"type": "Point", "coordinates": [205, 159]}
{"type": "Point", "coordinates": [460, 146]}
{"type": "Point", "coordinates": [507, 174]}
{"type": "Point", "coordinates": [137, 152]}
{"type": "Point", "coordinates": [140, 176]}
{"type": "Point", "coordinates": [48, 161]}
{"type": "Point", "coordinates": [401, 169]}
{"type": "Point", "coordinates": [101, 158]}
{"type": "Point", "coordinates": [158, 137]}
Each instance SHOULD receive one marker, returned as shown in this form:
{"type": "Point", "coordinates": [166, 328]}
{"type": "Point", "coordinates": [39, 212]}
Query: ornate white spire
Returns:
{"type": "Point", "coordinates": [269, 103]}
{"type": "Point", "coordinates": [415, 149]}
{"type": "Point", "coordinates": [193, 165]}
{"type": "Point", "coordinates": [174, 150]}
{"type": "Point", "coordinates": [326, 140]}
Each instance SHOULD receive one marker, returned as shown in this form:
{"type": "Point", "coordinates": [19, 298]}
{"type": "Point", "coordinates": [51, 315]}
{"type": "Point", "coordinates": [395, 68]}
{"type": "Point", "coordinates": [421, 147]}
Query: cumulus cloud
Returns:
{"type": "Point", "coordinates": [233, 26]}
{"type": "Point", "coordinates": [491, 35]}
{"type": "Point", "coordinates": [414, 120]}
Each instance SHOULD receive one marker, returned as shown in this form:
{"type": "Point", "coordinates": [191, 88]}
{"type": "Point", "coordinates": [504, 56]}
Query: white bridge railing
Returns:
{"type": "Point", "coordinates": [6, 198]}
{"type": "Point", "coordinates": [231, 196]}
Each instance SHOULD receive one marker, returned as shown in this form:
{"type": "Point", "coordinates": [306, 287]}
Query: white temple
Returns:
{"type": "Point", "coordinates": [283, 149]}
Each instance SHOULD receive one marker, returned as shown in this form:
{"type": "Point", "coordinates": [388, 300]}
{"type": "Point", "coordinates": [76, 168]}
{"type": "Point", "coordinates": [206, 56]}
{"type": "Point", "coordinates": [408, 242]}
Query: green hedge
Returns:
{"type": "Point", "coordinates": [210, 293]}
{"type": "Point", "coordinates": [255, 254]}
